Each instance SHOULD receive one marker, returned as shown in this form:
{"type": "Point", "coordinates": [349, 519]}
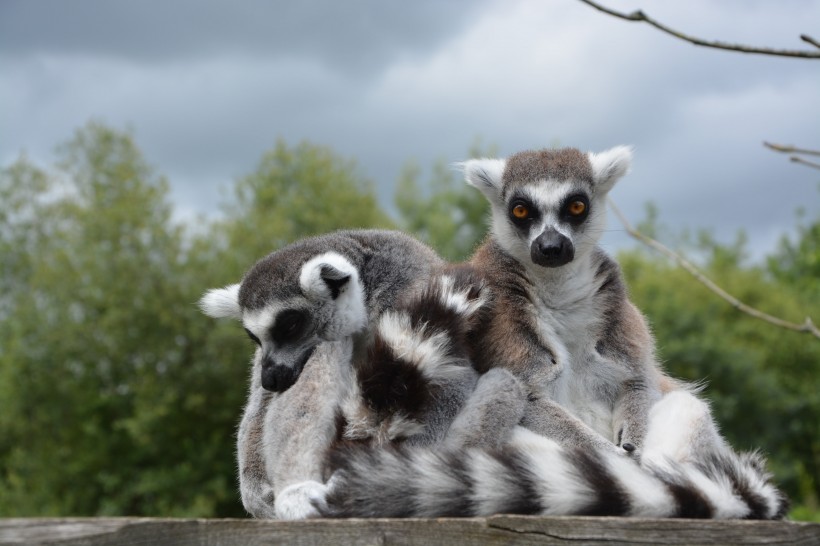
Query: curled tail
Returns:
{"type": "Point", "coordinates": [535, 475]}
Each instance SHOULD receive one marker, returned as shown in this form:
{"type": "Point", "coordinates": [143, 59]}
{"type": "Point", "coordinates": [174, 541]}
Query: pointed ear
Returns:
{"type": "Point", "coordinates": [486, 175]}
{"type": "Point", "coordinates": [222, 302]}
{"type": "Point", "coordinates": [335, 279]}
{"type": "Point", "coordinates": [326, 275]}
{"type": "Point", "coordinates": [609, 166]}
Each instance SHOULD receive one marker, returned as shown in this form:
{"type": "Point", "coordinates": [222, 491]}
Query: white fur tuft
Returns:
{"type": "Point", "coordinates": [428, 352]}
{"type": "Point", "coordinates": [299, 501]}
{"type": "Point", "coordinates": [350, 312]}
{"type": "Point", "coordinates": [457, 300]}
{"type": "Point", "coordinates": [485, 175]}
{"type": "Point", "coordinates": [674, 423]}
{"type": "Point", "coordinates": [609, 166]}
{"type": "Point", "coordinates": [310, 277]}
{"type": "Point", "coordinates": [222, 302]}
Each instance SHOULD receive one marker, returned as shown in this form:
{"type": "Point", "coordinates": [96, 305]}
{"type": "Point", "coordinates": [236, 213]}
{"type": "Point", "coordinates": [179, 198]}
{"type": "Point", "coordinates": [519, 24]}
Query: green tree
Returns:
{"type": "Point", "coordinates": [117, 397]}
{"type": "Point", "coordinates": [760, 379]}
{"type": "Point", "coordinates": [443, 211]}
{"type": "Point", "coordinates": [102, 384]}
{"type": "Point", "coordinates": [294, 192]}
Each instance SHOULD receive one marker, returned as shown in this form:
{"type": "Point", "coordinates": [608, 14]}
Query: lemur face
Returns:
{"type": "Point", "coordinates": [547, 220]}
{"type": "Point", "coordinates": [287, 312]}
{"type": "Point", "coordinates": [548, 206]}
{"type": "Point", "coordinates": [285, 335]}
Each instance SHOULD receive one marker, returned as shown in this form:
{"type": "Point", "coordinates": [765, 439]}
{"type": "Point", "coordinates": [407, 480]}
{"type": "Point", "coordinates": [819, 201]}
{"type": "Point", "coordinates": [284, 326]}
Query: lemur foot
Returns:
{"type": "Point", "coordinates": [301, 500]}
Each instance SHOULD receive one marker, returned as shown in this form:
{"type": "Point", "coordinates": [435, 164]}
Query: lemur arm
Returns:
{"type": "Point", "coordinates": [490, 414]}
{"type": "Point", "coordinates": [549, 419]}
{"type": "Point", "coordinates": [629, 346]}
{"type": "Point", "coordinates": [283, 439]}
{"type": "Point", "coordinates": [630, 416]}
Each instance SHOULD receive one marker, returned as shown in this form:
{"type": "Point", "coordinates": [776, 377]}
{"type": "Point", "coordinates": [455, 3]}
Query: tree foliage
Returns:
{"type": "Point", "coordinates": [117, 397]}
{"type": "Point", "coordinates": [441, 211]}
{"type": "Point", "coordinates": [761, 380]}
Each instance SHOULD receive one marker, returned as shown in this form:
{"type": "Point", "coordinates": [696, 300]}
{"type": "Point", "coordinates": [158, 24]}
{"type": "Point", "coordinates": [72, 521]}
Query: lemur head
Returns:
{"type": "Point", "coordinates": [548, 206]}
{"type": "Point", "coordinates": [289, 302]}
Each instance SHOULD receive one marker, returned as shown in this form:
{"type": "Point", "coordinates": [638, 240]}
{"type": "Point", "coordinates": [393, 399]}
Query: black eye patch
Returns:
{"type": "Point", "coordinates": [253, 337]}
{"type": "Point", "coordinates": [289, 325]}
{"type": "Point", "coordinates": [521, 211]}
{"type": "Point", "coordinates": [575, 208]}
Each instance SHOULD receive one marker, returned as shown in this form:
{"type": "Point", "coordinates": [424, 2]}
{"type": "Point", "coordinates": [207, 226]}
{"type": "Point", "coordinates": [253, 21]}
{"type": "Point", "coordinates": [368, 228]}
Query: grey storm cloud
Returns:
{"type": "Point", "coordinates": [357, 35]}
{"type": "Point", "coordinates": [207, 86]}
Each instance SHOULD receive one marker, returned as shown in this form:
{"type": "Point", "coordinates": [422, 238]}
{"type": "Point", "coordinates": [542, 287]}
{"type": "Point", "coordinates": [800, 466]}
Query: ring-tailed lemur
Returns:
{"type": "Point", "coordinates": [355, 343]}
{"type": "Point", "coordinates": [564, 323]}
{"type": "Point", "coordinates": [303, 305]}
{"type": "Point", "coordinates": [411, 375]}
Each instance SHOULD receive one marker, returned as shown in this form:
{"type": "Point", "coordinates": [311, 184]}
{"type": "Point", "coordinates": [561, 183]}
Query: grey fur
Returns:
{"type": "Point", "coordinates": [532, 474]}
{"type": "Point", "coordinates": [569, 331]}
{"type": "Point", "coordinates": [284, 437]}
{"type": "Point", "coordinates": [443, 414]}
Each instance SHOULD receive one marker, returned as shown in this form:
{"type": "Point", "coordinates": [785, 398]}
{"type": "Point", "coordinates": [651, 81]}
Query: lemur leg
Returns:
{"type": "Point", "coordinates": [255, 486]}
{"type": "Point", "coordinates": [490, 414]}
{"type": "Point", "coordinates": [549, 419]}
{"type": "Point", "coordinates": [300, 425]}
{"type": "Point", "coordinates": [681, 430]}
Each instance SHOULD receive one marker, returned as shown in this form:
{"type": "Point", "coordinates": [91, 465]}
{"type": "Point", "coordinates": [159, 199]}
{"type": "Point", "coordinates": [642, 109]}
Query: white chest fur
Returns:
{"type": "Point", "coordinates": [567, 317]}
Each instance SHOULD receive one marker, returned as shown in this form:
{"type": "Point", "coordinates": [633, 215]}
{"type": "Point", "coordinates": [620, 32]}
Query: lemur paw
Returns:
{"type": "Point", "coordinates": [301, 500]}
{"type": "Point", "coordinates": [631, 450]}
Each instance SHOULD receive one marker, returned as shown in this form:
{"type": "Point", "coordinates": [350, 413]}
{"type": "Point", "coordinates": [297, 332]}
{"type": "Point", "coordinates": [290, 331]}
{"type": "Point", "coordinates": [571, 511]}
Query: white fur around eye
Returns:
{"type": "Point", "coordinates": [222, 302]}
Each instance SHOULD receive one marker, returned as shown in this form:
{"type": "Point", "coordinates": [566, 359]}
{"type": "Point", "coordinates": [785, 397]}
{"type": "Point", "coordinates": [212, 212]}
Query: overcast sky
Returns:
{"type": "Point", "coordinates": [208, 85]}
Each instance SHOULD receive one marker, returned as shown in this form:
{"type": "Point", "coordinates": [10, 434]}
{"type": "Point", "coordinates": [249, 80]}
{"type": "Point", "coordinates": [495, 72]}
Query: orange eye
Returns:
{"type": "Point", "coordinates": [520, 212]}
{"type": "Point", "coordinates": [577, 208]}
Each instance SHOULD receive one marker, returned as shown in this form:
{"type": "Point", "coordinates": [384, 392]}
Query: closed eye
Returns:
{"type": "Point", "coordinates": [253, 337]}
{"type": "Point", "coordinates": [289, 325]}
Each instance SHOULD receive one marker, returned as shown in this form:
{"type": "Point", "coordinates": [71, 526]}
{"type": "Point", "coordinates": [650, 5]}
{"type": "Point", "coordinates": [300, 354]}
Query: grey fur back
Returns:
{"type": "Point", "coordinates": [389, 261]}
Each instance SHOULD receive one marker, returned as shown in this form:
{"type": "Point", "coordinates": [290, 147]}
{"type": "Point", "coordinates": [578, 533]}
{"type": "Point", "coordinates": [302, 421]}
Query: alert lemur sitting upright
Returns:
{"type": "Point", "coordinates": [564, 323]}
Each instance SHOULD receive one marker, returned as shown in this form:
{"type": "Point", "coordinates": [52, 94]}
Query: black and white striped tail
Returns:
{"type": "Point", "coordinates": [535, 475]}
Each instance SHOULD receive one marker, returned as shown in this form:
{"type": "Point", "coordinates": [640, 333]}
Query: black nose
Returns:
{"type": "Point", "coordinates": [277, 378]}
{"type": "Point", "coordinates": [552, 249]}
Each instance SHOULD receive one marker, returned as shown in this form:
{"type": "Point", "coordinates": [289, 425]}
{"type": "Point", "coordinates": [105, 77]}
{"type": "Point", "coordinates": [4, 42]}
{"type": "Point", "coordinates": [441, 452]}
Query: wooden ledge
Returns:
{"type": "Point", "coordinates": [426, 532]}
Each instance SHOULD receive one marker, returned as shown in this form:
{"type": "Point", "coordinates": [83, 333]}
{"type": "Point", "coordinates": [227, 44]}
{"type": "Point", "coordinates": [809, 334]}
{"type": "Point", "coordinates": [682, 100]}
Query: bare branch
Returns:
{"type": "Point", "coordinates": [807, 326]}
{"type": "Point", "coordinates": [788, 149]}
{"type": "Point", "coordinates": [640, 16]}
{"type": "Point", "coordinates": [802, 161]}
{"type": "Point", "coordinates": [808, 39]}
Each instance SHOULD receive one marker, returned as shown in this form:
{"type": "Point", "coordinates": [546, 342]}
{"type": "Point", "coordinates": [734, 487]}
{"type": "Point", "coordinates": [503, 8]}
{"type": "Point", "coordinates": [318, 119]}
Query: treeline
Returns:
{"type": "Point", "coordinates": [117, 397]}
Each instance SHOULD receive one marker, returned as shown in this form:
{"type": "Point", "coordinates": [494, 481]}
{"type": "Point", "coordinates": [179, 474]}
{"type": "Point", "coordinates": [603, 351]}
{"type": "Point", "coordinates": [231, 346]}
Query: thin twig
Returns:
{"type": "Point", "coordinates": [802, 161]}
{"type": "Point", "coordinates": [808, 39]}
{"type": "Point", "coordinates": [807, 326]}
{"type": "Point", "coordinates": [640, 16]}
{"type": "Point", "coordinates": [787, 149]}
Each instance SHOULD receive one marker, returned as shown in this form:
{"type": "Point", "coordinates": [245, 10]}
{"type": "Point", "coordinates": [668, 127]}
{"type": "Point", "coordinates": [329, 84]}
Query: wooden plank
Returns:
{"type": "Point", "coordinates": [523, 530]}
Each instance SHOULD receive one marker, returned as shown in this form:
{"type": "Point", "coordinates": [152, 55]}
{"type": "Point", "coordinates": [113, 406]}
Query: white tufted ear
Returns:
{"type": "Point", "coordinates": [326, 276]}
{"type": "Point", "coordinates": [485, 175]}
{"type": "Point", "coordinates": [609, 166]}
{"type": "Point", "coordinates": [222, 302]}
{"type": "Point", "coordinates": [331, 276]}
